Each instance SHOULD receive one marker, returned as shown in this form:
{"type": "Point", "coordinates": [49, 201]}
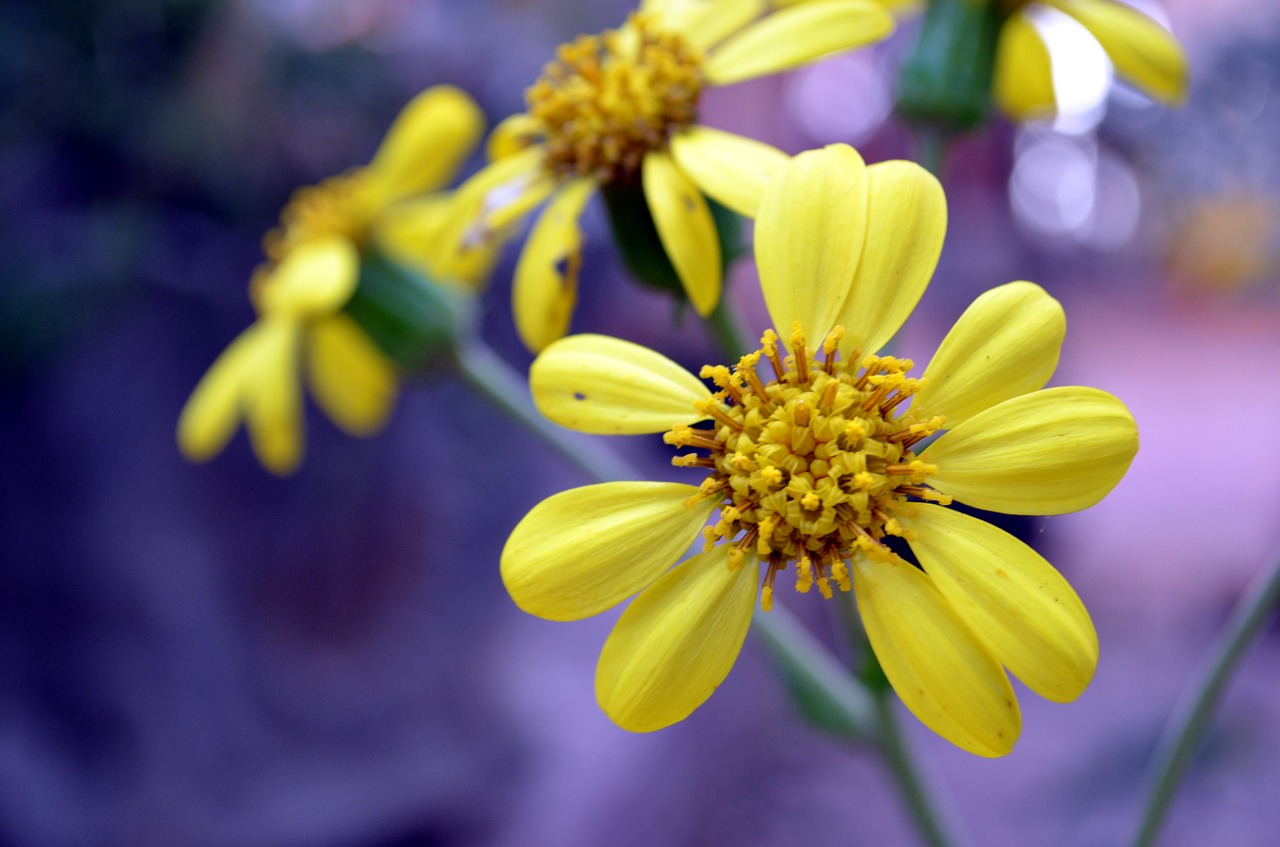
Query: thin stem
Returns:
{"type": "Point", "coordinates": [1190, 720]}
{"type": "Point", "coordinates": [920, 801]}
{"type": "Point", "coordinates": [489, 374]}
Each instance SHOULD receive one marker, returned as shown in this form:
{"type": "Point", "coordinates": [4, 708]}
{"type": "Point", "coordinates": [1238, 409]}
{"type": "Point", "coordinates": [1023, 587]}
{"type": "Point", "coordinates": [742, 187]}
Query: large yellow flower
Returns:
{"type": "Point", "coordinates": [620, 110]}
{"type": "Point", "coordinates": [813, 468]}
{"type": "Point", "coordinates": [1143, 52]}
{"type": "Point", "coordinates": [312, 270]}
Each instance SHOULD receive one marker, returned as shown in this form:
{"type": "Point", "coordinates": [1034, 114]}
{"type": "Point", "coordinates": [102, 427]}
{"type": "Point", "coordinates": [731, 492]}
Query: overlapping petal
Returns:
{"type": "Point", "coordinates": [1004, 345]}
{"type": "Point", "coordinates": [1143, 52]}
{"type": "Point", "coordinates": [1046, 453]}
{"type": "Point", "coordinates": [810, 230]}
{"type": "Point", "coordinates": [729, 168]}
{"type": "Point", "coordinates": [942, 672]}
{"type": "Point", "coordinates": [676, 642]}
{"type": "Point", "coordinates": [1012, 599]}
{"type": "Point", "coordinates": [315, 278]}
{"type": "Point", "coordinates": [587, 549]}
{"type": "Point", "coordinates": [273, 411]}
{"type": "Point", "coordinates": [427, 143]}
{"type": "Point", "coordinates": [795, 36]}
{"type": "Point", "coordinates": [212, 413]}
{"type": "Point", "coordinates": [350, 377]}
{"type": "Point", "coordinates": [704, 22]}
{"type": "Point", "coordinates": [906, 223]}
{"type": "Point", "coordinates": [1023, 84]}
{"type": "Point", "coordinates": [546, 279]}
{"type": "Point", "coordinates": [686, 228]}
{"type": "Point", "coordinates": [607, 386]}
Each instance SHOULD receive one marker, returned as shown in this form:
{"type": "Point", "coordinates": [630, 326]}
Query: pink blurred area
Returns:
{"type": "Point", "coordinates": [206, 655]}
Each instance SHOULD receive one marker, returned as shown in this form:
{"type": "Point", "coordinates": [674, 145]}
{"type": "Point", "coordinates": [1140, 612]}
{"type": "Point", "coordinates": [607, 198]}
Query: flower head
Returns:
{"type": "Point", "coordinates": [620, 110]}
{"type": "Point", "coordinates": [810, 451]}
{"type": "Point", "coordinates": [312, 271]}
{"type": "Point", "coordinates": [1144, 53]}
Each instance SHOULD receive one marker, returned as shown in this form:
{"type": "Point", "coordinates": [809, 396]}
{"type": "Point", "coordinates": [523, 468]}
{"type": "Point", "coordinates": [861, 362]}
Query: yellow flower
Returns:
{"type": "Point", "coordinates": [620, 110]}
{"type": "Point", "coordinates": [312, 270]}
{"type": "Point", "coordinates": [812, 469]}
{"type": "Point", "coordinates": [1143, 52]}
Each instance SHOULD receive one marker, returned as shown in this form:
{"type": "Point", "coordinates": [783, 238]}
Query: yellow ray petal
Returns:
{"type": "Point", "coordinates": [1011, 598]}
{"type": "Point", "coordinates": [417, 232]}
{"type": "Point", "coordinates": [706, 22]}
{"type": "Point", "coordinates": [795, 36]}
{"type": "Point", "coordinates": [497, 197]}
{"type": "Point", "coordinates": [511, 136]}
{"type": "Point", "coordinates": [729, 168]}
{"type": "Point", "coordinates": [942, 672]}
{"type": "Point", "coordinates": [315, 278]}
{"type": "Point", "coordinates": [274, 402]}
{"type": "Point", "coordinates": [1005, 344]}
{"type": "Point", "coordinates": [676, 642]}
{"type": "Point", "coordinates": [1052, 451]}
{"type": "Point", "coordinates": [607, 386]}
{"type": "Point", "coordinates": [1144, 52]}
{"type": "Point", "coordinates": [212, 413]}
{"type": "Point", "coordinates": [686, 228]}
{"type": "Point", "coordinates": [1023, 85]}
{"type": "Point", "coordinates": [906, 223]}
{"type": "Point", "coordinates": [546, 281]}
{"type": "Point", "coordinates": [810, 229]}
{"type": "Point", "coordinates": [426, 145]}
{"type": "Point", "coordinates": [351, 379]}
{"type": "Point", "coordinates": [587, 549]}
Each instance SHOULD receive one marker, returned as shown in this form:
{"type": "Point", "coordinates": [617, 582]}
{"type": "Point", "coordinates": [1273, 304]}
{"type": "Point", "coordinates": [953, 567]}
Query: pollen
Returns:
{"type": "Point", "coordinates": [814, 466]}
{"type": "Point", "coordinates": [607, 100]}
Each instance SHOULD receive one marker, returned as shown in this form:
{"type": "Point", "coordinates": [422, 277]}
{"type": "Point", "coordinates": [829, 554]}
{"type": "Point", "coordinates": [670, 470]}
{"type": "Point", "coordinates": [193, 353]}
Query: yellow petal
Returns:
{"type": "Point", "coordinates": [942, 672]}
{"type": "Point", "coordinates": [1144, 52]}
{"type": "Point", "coordinates": [729, 168]}
{"type": "Point", "coordinates": [546, 280]}
{"type": "Point", "coordinates": [418, 233]}
{"type": "Point", "coordinates": [315, 278]}
{"type": "Point", "coordinates": [1023, 85]}
{"type": "Point", "coordinates": [274, 401]}
{"type": "Point", "coordinates": [587, 549]}
{"type": "Point", "coordinates": [795, 36]}
{"type": "Point", "coordinates": [676, 642]}
{"type": "Point", "coordinates": [1005, 344]}
{"type": "Point", "coordinates": [212, 413]}
{"type": "Point", "coordinates": [1011, 598]}
{"type": "Point", "coordinates": [607, 386]}
{"type": "Point", "coordinates": [686, 228]}
{"type": "Point", "coordinates": [810, 229]}
{"type": "Point", "coordinates": [705, 22]}
{"type": "Point", "coordinates": [351, 379]}
{"type": "Point", "coordinates": [511, 136]}
{"type": "Point", "coordinates": [497, 197]}
{"type": "Point", "coordinates": [906, 223]}
{"type": "Point", "coordinates": [428, 142]}
{"type": "Point", "coordinates": [1052, 451]}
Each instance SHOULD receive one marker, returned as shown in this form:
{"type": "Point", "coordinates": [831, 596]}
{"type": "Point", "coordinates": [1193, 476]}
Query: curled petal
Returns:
{"type": "Point", "coordinates": [585, 550]}
{"type": "Point", "coordinates": [1011, 598]}
{"type": "Point", "coordinates": [1052, 451]}
{"type": "Point", "coordinates": [314, 278]}
{"type": "Point", "coordinates": [603, 385]}
{"type": "Point", "coordinates": [1144, 52]}
{"type": "Point", "coordinates": [686, 228]}
{"type": "Point", "coordinates": [676, 642]}
{"type": "Point", "coordinates": [273, 412]}
{"type": "Point", "coordinates": [1004, 345]}
{"type": "Point", "coordinates": [212, 413]}
{"type": "Point", "coordinates": [350, 377]}
{"type": "Point", "coordinates": [1023, 85]}
{"type": "Point", "coordinates": [546, 281]}
{"type": "Point", "coordinates": [731, 169]}
{"type": "Point", "coordinates": [428, 142]}
{"type": "Point", "coordinates": [942, 672]}
{"type": "Point", "coordinates": [796, 36]}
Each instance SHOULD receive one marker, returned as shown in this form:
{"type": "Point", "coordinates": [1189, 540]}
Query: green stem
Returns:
{"type": "Point", "coordinates": [920, 801]}
{"type": "Point", "coordinates": [489, 374]}
{"type": "Point", "coordinates": [1191, 719]}
{"type": "Point", "coordinates": [932, 142]}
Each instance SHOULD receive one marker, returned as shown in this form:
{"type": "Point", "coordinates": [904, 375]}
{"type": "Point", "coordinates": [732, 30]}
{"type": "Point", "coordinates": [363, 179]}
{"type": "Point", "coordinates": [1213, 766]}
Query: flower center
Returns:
{"type": "Point", "coordinates": [608, 99]}
{"type": "Point", "coordinates": [813, 466]}
{"type": "Point", "coordinates": [340, 206]}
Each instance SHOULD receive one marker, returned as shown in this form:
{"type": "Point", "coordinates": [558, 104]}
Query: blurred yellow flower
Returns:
{"type": "Point", "coordinates": [814, 468]}
{"type": "Point", "coordinates": [621, 109]}
{"type": "Point", "coordinates": [1144, 54]}
{"type": "Point", "coordinates": [312, 270]}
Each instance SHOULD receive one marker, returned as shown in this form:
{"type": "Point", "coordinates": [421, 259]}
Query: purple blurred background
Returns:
{"type": "Point", "coordinates": [207, 655]}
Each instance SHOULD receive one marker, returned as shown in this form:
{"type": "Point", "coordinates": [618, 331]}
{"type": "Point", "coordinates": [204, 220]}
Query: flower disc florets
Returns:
{"type": "Point", "coordinates": [608, 99]}
{"type": "Point", "coordinates": [339, 206]}
{"type": "Point", "coordinates": [813, 466]}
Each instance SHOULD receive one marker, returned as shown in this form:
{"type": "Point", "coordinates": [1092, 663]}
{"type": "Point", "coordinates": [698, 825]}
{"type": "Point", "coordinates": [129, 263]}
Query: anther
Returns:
{"type": "Point", "coordinates": [769, 344]}
{"type": "Point", "coordinates": [801, 354]}
{"type": "Point", "coordinates": [829, 347]}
